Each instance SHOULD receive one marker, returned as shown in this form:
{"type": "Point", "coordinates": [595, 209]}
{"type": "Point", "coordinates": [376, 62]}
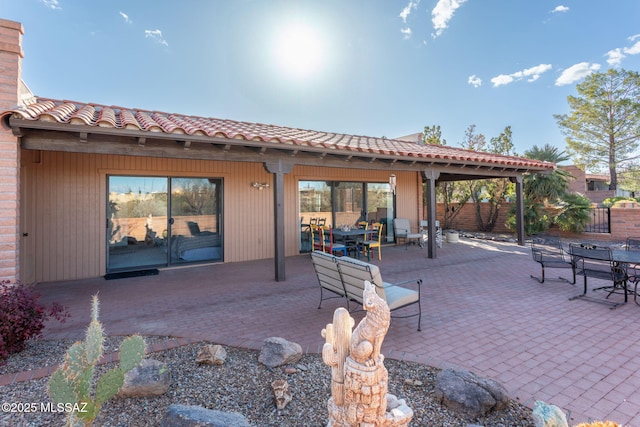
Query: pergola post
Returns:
{"type": "Point", "coordinates": [278, 169]}
{"type": "Point", "coordinates": [430, 177]}
{"type": "Point", "coordinates": [519, 208]}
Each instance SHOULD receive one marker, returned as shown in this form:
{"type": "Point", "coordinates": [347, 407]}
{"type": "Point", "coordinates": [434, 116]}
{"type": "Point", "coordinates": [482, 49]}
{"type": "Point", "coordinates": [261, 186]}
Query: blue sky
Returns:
{"type": "Point", "coordinates": [362, 67]}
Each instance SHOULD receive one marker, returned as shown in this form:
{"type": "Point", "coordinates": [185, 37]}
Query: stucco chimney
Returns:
{"type": "Point", "coordinates": [10, 76]}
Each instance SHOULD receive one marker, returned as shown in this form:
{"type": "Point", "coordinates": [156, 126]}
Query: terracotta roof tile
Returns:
{"type": "Point", "coordinates": [85, 114]}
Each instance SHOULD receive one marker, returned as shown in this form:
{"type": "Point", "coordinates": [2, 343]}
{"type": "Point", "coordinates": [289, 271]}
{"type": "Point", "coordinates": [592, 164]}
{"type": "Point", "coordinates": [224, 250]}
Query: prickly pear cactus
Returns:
{"type": "Point", "coordinates": [73, 382]}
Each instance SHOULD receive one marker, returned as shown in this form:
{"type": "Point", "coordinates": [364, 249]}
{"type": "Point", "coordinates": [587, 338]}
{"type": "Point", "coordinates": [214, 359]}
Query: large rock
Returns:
{"type": "Point", "coordinates": [150, 378]}
{"type": "Point", "coordinates": [464, 392]}
{"type": "Point", "coordinates": [278, 351]}
{"type": "Point", "coordinates": [545, 415]}
{"type": "Point", "coordinates": [212, 354]}
{"type": "Point", "coordinates": [197, 416]}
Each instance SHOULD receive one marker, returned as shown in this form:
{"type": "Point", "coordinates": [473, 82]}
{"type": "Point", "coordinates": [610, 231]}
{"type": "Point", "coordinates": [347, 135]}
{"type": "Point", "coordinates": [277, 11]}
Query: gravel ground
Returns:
{"type": "Point", "coordinates": [241, 385]}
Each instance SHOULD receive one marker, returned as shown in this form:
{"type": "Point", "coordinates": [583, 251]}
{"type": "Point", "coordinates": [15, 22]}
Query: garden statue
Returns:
{"type": "Point", "coordinates": [359, 380]}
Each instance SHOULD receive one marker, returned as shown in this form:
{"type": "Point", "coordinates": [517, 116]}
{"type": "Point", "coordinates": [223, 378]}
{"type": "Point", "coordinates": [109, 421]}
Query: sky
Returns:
{"type": "Point", "coordinates": [361, 67]}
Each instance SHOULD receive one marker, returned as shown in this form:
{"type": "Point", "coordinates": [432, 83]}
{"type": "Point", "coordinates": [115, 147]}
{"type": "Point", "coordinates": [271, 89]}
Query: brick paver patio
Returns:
{"type": "Point", "coordinates": [481, 311]}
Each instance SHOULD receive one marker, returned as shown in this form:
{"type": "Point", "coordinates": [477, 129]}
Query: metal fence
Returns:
{"type": "Point", "coordinates": [600, 221]}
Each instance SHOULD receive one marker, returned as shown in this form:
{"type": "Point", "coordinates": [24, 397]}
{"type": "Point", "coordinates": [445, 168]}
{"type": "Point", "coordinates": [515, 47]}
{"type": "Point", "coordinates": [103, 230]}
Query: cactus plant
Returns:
{"type": "Point", "coordinates": [72, 384]}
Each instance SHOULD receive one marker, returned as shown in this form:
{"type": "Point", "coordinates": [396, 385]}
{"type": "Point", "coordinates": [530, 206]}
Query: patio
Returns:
{"type": "Point", "coordinates": [481, 311]}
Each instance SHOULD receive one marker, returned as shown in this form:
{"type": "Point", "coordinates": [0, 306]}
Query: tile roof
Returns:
{"type": "Point", "coordinates": [44, 110]}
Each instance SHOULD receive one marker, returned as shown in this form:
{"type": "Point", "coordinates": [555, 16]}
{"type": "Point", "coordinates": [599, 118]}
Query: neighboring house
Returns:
{"type": "Point", "coordinates": [594, 187]}
{"type": "Point", "coordinates": [90, 189]}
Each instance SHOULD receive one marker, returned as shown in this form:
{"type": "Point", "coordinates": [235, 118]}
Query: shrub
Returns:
{"type": "Point", "coordinates": [536, 219]}
{"type": "Point", "coordinates": [22, 317]}
{"type": "Point", "coordinates": [574, 213]}
{"type": "Point", "coordinates": [610, 201]}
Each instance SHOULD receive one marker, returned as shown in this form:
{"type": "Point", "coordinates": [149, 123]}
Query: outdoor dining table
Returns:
{"type": "Point", "coordinates": [353, 237]}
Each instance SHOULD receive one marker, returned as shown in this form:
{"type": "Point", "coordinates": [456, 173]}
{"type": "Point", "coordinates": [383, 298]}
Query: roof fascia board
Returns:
{"type": "Point", "coordinates": [304, 155]}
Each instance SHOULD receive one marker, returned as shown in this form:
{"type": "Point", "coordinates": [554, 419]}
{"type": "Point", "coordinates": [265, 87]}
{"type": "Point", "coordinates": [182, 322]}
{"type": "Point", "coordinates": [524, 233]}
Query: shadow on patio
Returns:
{"type": "Point", "coordinates": [481, 311]}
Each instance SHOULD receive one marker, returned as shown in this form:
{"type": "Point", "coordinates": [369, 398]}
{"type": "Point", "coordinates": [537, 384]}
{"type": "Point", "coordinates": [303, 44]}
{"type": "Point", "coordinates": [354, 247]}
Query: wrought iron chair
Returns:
{"type": "Point", "coordinates": [551, 255]}
{"type": "Point", "coordinates": [597, 262]}
{"type": "Point", "coordinates": [633, 271]}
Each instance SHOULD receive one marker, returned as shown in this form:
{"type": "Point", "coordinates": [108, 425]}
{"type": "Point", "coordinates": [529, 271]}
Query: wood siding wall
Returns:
{"type": "Point", "coordinates": [65, 196]}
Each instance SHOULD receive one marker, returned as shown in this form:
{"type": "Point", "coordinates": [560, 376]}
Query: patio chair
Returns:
{"type": "Point", "coordinates": [402, 230]}
{"type": "Point", "coordinates": [328, 243]}
{"type": "Point", "coordinates": [633, 271]}
{"type": "Point", "coordinates": [374, 242]}
{"type": "Point", "coordinates": [597, 262]}
{"type": "Point", "coordinates": [424, 227]}
{"type": "Point", "coordinates": [551, 255]}
{"type": "Point", "coordinates": [355, 272]}
{"type": "Point", "coordinates": [329, 279]}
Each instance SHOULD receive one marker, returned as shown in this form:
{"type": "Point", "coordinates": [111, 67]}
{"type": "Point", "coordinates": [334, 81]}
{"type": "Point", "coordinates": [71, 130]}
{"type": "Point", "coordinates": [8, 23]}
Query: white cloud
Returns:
{"type": "Point", "coordinates": [615, 56]}
{"type": "Point", "coordinates": [532, 73]}
{"type": "Point", "coordinates": [576, 72]}
{"type": "Point", "coordinates": [502, 79]}
{"type": "Point", "coordinates": [633, 50]}
{"type": "Point", "coordinates": [125, 17]}
{"type": "Point", "coordinates": [51, 4]}
{"type": "Point", "coordinates": [442, 14]}
{"type": "Point", "coordinates": [406, 32]}
{"type": "Point", "coordinates": [474, 80]}
{"type": "Point", "coordinates": [560, 8]}
{"type": "Point", "coordinates": [156, 35]}
{"type": "Point", "coordinates": [408, 9]}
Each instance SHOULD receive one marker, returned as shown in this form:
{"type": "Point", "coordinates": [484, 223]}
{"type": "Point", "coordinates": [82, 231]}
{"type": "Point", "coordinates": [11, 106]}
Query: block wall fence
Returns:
{"type": "Point", "coordinates": [625, 222]}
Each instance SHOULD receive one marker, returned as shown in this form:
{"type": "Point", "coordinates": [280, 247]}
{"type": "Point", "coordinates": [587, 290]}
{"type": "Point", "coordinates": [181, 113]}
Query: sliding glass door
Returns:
{"type": "Point", "coordinates": [338, 203]}
{"type": "Point", "coordinates": [160, 221]}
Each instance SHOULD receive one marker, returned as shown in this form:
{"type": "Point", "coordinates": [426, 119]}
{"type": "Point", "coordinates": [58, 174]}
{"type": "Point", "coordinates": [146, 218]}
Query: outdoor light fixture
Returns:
{"type": "Point", "coordinates": [392, 183]}
{"type": "Point", "coordinates": [260, 186]}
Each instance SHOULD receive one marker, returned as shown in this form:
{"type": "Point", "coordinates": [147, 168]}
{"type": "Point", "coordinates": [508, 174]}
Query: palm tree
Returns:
{"type": "Point", "coordinates": [548, 188]}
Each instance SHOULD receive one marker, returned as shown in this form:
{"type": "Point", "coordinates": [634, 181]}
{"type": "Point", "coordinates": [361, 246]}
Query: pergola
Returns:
{"type": "Point", "coordinates": [57, 125]}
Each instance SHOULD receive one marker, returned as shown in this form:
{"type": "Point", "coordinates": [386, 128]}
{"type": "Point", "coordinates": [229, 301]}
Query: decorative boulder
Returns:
{"type": "Point", "coordinates": [197, 416]}
{"type": "Point", "coordinates": [281, 393]}
{"type": "Point", "coordinates": [464, 392]}
{"type": "Point", "coordinates": [212, 354]}
{"type": "Point", "coordinates": [278, 351]}
{"type": "Point", "coordinates": [150, 378]}
{"type": "Point", "coordinates": [545, 415]}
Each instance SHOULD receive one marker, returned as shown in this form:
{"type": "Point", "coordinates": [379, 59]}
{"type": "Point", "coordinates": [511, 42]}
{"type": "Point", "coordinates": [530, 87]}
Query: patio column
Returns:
{"type": "Point", "coordinates": [10, 95]}
{"type": "Point", "coordinates": [431, 176]}
{"type": "Point", "coordinates": [278, 169]}
{"type": "Point", "coordinates": [519, 208]}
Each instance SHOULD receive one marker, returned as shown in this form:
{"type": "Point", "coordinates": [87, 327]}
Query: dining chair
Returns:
{"type": "Point", "coordinates": [374, 242]}
{"type": "Point", "coordinates": [633, 271]}
{"type": "Point", "coordinates": [316, 238]}
{"type": "Point", "coordinates": [330, 245]}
